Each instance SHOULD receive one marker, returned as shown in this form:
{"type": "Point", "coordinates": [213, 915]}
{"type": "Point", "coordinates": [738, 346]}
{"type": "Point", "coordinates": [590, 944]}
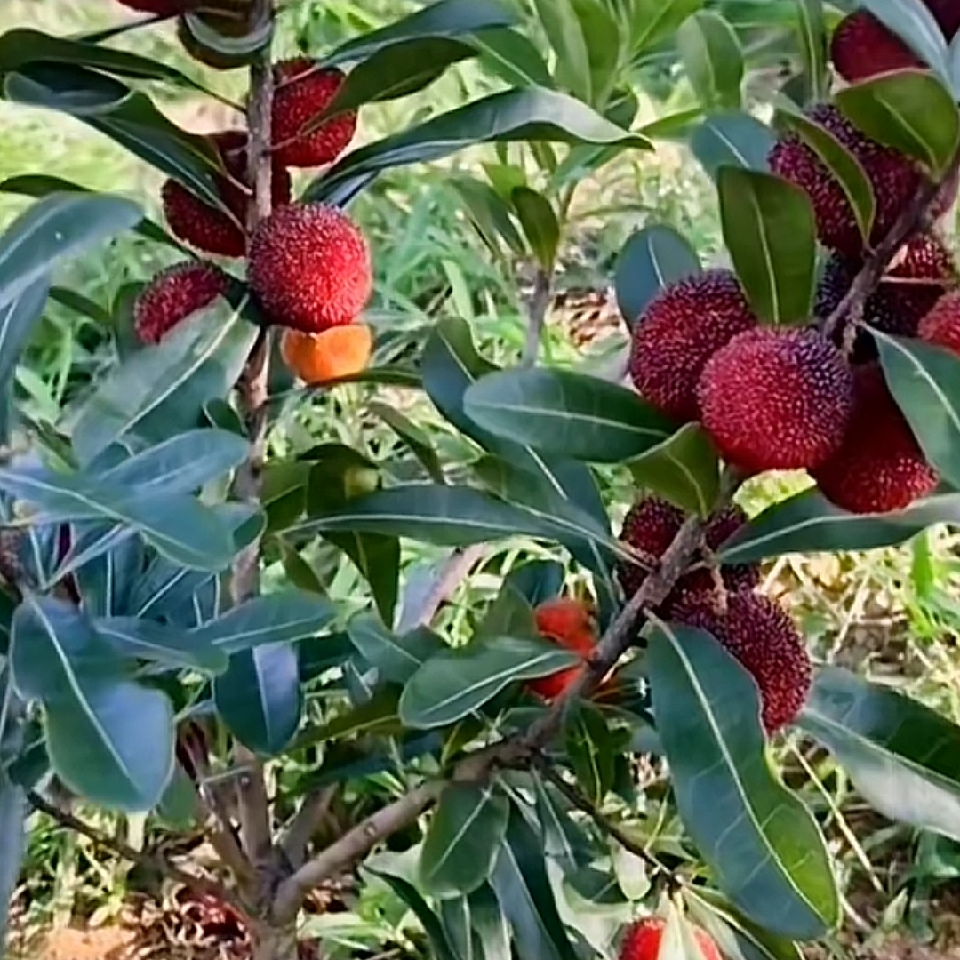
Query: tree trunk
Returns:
{"type": "Point", "coordinates": [274, 943]}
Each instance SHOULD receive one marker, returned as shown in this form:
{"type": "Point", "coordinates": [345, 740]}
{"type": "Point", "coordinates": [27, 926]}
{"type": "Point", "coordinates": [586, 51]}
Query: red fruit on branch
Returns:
{"type": "Point", "coordinates": [570, 624]}
{"type": "Point", "coordinates": [941, 326]}
{"type": "Point", "coordinates": [642, 941]}
{"type": "Point", "coordinates": [175, 294]}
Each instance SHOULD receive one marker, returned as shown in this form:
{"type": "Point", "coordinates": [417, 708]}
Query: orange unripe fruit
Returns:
{"type": "Point", "coordinates": [321, 357]}
{"type": "Point", "coordinates": [642, 941]}
{"type": "Point", "coordinates": [570, 623]}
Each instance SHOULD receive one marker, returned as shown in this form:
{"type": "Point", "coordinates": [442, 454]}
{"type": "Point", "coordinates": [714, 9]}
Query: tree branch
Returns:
{"type": "Point", "coordinates": [305, 823]}
{"type": "Point", "coordinates": [159, 863]}
{"type": "Point", "coordinates": [537, 310]}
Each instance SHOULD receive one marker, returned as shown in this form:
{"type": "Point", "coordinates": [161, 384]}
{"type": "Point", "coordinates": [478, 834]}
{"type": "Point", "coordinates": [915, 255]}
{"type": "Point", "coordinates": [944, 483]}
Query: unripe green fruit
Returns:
{"type": "Point", "coordinates": [358, 481]}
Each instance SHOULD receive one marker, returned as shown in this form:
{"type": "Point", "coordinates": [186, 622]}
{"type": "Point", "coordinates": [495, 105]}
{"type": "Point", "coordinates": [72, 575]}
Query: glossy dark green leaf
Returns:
{"type": "Point", "coordinates": [160, 643]}
{"type": "Point", "coordinates": [69, 89]}
{"type": "Point", "coordinates": [447, 18]}
{"type": "Point", "coordinates": [925, 382]}
{"type": "Point", "coordinates": [18, 320]}
{"type": "Point", "coordinates": [650, 260]}
{"type": "Point", "coordinates": [259, 699]}
{"type": "Point", "coordinates": [413, 436]}
{"type": "Point", "coordinates": [607, 50]}
{"type": "Point", "coordinates": [59, 226]}
{"type": "Point", "coordinates": [590, 749]}
{"type": "Point", "coordinates": [842, 164]}
{"type": "Point", "coordinates": [760, 841]}
{"type": "Point", "coordinates": [526, 898]}
{"type": "Point", "coordinates": [567, 413]}
{"type": "Point", "coordinates": [376, 717]}
{"type": "Point", "coordinates": [461, 843]}
{"type": "Point", "coordinates": [436, 936]}
{"type": "Point", "coordinates": [903, 757]}
{"type": "Point", "coordinates": [712, 58]}
{"type": "Point", "coordinates": [812, 28]}
{"type": "Point", "coordinates": [510, 615]}
{"type": "Point", "coordinates": [163, 389]}
{"type": "Point", "coordinates": [377, 557]}
{"type": "Point", "coordinates": [911, 111]}
{"type": "Point", "coordinates": [456, 682]}
{"type": "Point", "coordinates": [537, 580]}
{"type": "Point", "coordinates": [513, 115]}
{"type": "Point", "coordinates": [224, 47]}
{"type": "Point", "coordinates": [396, 657]}
{"type": "Point", "coordinates": [769, 229]}
{"type": "Point", "coordinates": [653, 21]}
{"type": "Point", "coordinates": [276, 618]}
{"type": "Point", "coordinates": [562, 836]}
{"type": "Point", "coordinates": [732, 139]}
{"type": "Point", "coordinates": [808, 523]}
{"type": "Point", "coordinates": [457, 919]}
{"type": "Point", "coordinates": [109, 739]}
{"type": "Point", "coordinates": [106, 580]}
{"type": "Point", "coordinates": [684, 470]}
{"type": "Point", "coordinates": [512, 57]}
{"type": "Point", "coordinates": [560, 23]}
{"type": "Point", "coordinates": [539, 223]}
{"type": "Point", "coordinates": [912, 21]}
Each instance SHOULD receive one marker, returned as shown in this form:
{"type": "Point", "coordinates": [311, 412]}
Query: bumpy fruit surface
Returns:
{"type": "Point", "coordinates": [759, 633]}
{"type": "Point", "coordinates": [202, 226]}
{"type": "Point", "coordinates": [175, 294]}
{"type": "Point", "coordinates": [303, 91]}
{"type": "Point", "coordinates": [642, 941]}
{"type": "Point", "coordinates": [894, 178]}
{"type": "Point", "coordinates": [320, 357]}
{"type": "Point", "coordinates": [685, 325]}
{"type": "Point", "coordinates": [879, 467]}
{"type": "Point", "coordinates": [941, 326]}
{"type": "Point", "coordinates": [650, 526]}
{"type": "Point", "coordinates": [310, 267]}
{"type": "Point", "coordinates": [862, 47]}
{"type": "Point", "coordinates": [776, 399]}
{"type": "Point", "coordinates": [570, 623]}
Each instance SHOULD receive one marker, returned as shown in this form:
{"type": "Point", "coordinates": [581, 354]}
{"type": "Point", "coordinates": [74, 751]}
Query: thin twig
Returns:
{"type": "Point", "coordinates": [163, 866]}
{"type": "Point", "coordinates": [537, 315]}
{"type": "Point", "coordinates": [314, 809]}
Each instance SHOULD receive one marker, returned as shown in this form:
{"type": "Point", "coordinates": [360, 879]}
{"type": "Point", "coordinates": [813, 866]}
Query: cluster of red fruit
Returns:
{"type": "Point", "coordinates": [814, 398]}
{"type": "Point", "coordinates": [308, 264]}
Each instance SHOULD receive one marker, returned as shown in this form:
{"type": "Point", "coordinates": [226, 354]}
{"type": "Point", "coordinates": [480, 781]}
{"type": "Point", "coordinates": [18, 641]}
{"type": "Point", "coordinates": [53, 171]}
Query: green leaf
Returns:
{"type": "Point", "coordinates": [13, 845]}
{"type": "Point", "coordinates": [277, 618]}
{"type": "Point", "coordinates": [759, 840]}
{"type": "Point", "coordinates": [813, 48]}
{"type": "Point", "coordinates": [397, 658]}
{"type": "Point", "coordinates": [57, 227]}
{"type": "Point", "coordinates": [539, 222]}
{"type": "Point", "coordinates": [732, 139]}
{"type": "Point", "coordinates": [377, 557]}
{"type": "Point", "coordinates": [169, 382]}
{"type": "Point", "coordinates": [106, 562]}
{"type": "Point", "coordinates": [903, 757]}
{"type": "Point", "coordinates": [159, 643]}
{"type": "Point", "coordinates": [559, 22]}
{"type": "Point", "coordinates": [510, 614]}
{"type": "Point", "coordinates": [436, 936]}
{"type": "Point", "coordinates": [376, 717]}
{"type": "Point", "coordinates": [109, 739]}
{"type": "Point", "coordinates": [650, 260]}
{"type": "Point", "coordinates": [455, 682]}
{"type": "Point", "coordinates": [769, 229]}
{"type": "Point", "coordinates": [713, 59]}
{"type": "Point", "coordinates": [563, 412]}
{"type": "Point", "coordinates": [447, 18]}
{"type": "Point", "coordinates": [18, 320]}
{"type": "Point", "coordinates": [913, 22]}
{"type": "Point", "coordinates": [413, 435]}
{"type": "Point", "coordinates": [512, 57]}
{"type": "Point", "coordinates": [684, 469]}
{"type": "Point", "coordinates": [845, 168]}
{"type": "Point", "coordinates": [590, 748]}
{"type": "Point", "coordinates": [656, 20]}
{"type": "Point", "coordinates": [526, 897]}
{"type": "Point", "coordinates": [462, 841]}
{"type": "Point", "coordinates": [259, 697]}
{"type": "Point", "coordinates": [925, 382]}
{"type": "Point", "coordinates": [910, 111]}
{"type": "Point", "coordinates": [532, 113]}
{"type": "Point", "coordinates": [808, 523]}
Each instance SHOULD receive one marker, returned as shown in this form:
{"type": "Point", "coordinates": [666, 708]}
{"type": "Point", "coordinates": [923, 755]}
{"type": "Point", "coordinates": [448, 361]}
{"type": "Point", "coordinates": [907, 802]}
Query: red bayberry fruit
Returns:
{"type": "Point", "coordinates": [941, 326]}
{"type": "Point", "coordinates": [570, 623]}
{"type": "Point", "coordinates": [642, 941]}
{"type": "Point", "coordinates": [175, 294]}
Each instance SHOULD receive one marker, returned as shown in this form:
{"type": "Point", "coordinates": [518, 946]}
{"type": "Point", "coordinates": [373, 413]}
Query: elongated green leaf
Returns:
{"type": "Point", "coordinates": [655, 20]}
{"type": "Point", "coordinates": [732, 139]}
{"type": "Point", "coordinates": [769, 229]}
{"type": "Point", "coordinates": [259, 697]}
{"type": "Point", "coordinates": [109, 739]}
{"type": "Point", "coordinates": [512, 57]}
{"type": "Point", "coordinates": [413, 436]}
{"type": "Point", "coordinates": [273, 619]}
{"type": "Point", "coordinates": [566, 413]}
{"type": "Point", "coordinates": [842, 164]}
{"type": "Point", "coordinates": [133, 393]}
{"type": "Point", "coordinates": [528, 114]}
{"type": "Point", "coordinates": [159, 643]}
{"type": "Point", "coordinates": [913, 22]}
{"type": "Point", "coordinates": [925, 382]}
{"type": "Point", "coordinates": [539, 223]}
{"type": "Point", "coordinates": [462, 840]}
{"type": "Point", "coordinates": [650, 260]}
{"type": "Point", "coordinates": [396, 657]}
{"type": "Point", "coordinates": [72, 90]}
{"type": "Point", "coordinates": [903, 757]}
{"type": "Point", "coordinates": [526, 898]}
{"type": "Point", "coordinates": [376, 717]}
{"type": "Point", "coordinates": [436, 935]}
{"type": "Point", "coordinates": [447, 18]}
{"type": "Point", "coordinates": [57, 227]}
{"type": "Point", "coordinates": [106, 561]}
{"type": "Point", "coordinates": [454, 683]}
{"type": "Point", "coordinates": [911, 111]}
{"type": "Point", "coordinates": [591, 750]}
{"type": "Point", "coordinates": [178, 526]}
{"type": "Point", "coordinates": [761, 842]}
{"type": "Point", "coordinates": [182, 464]}
{"type": "Point", "coordinates": [813, 48]}
{"type": "Point", "coordinates": [808, 523]}
{"type": "Point", "coordinates": [713, 59]}
{"type": "Point", "coordinates": [562, 28]}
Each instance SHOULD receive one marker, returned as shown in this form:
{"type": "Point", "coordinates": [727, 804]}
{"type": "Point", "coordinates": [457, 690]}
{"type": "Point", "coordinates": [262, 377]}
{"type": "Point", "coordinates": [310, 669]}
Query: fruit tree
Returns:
{"type": "Point", "coordinates": [210, 622]}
